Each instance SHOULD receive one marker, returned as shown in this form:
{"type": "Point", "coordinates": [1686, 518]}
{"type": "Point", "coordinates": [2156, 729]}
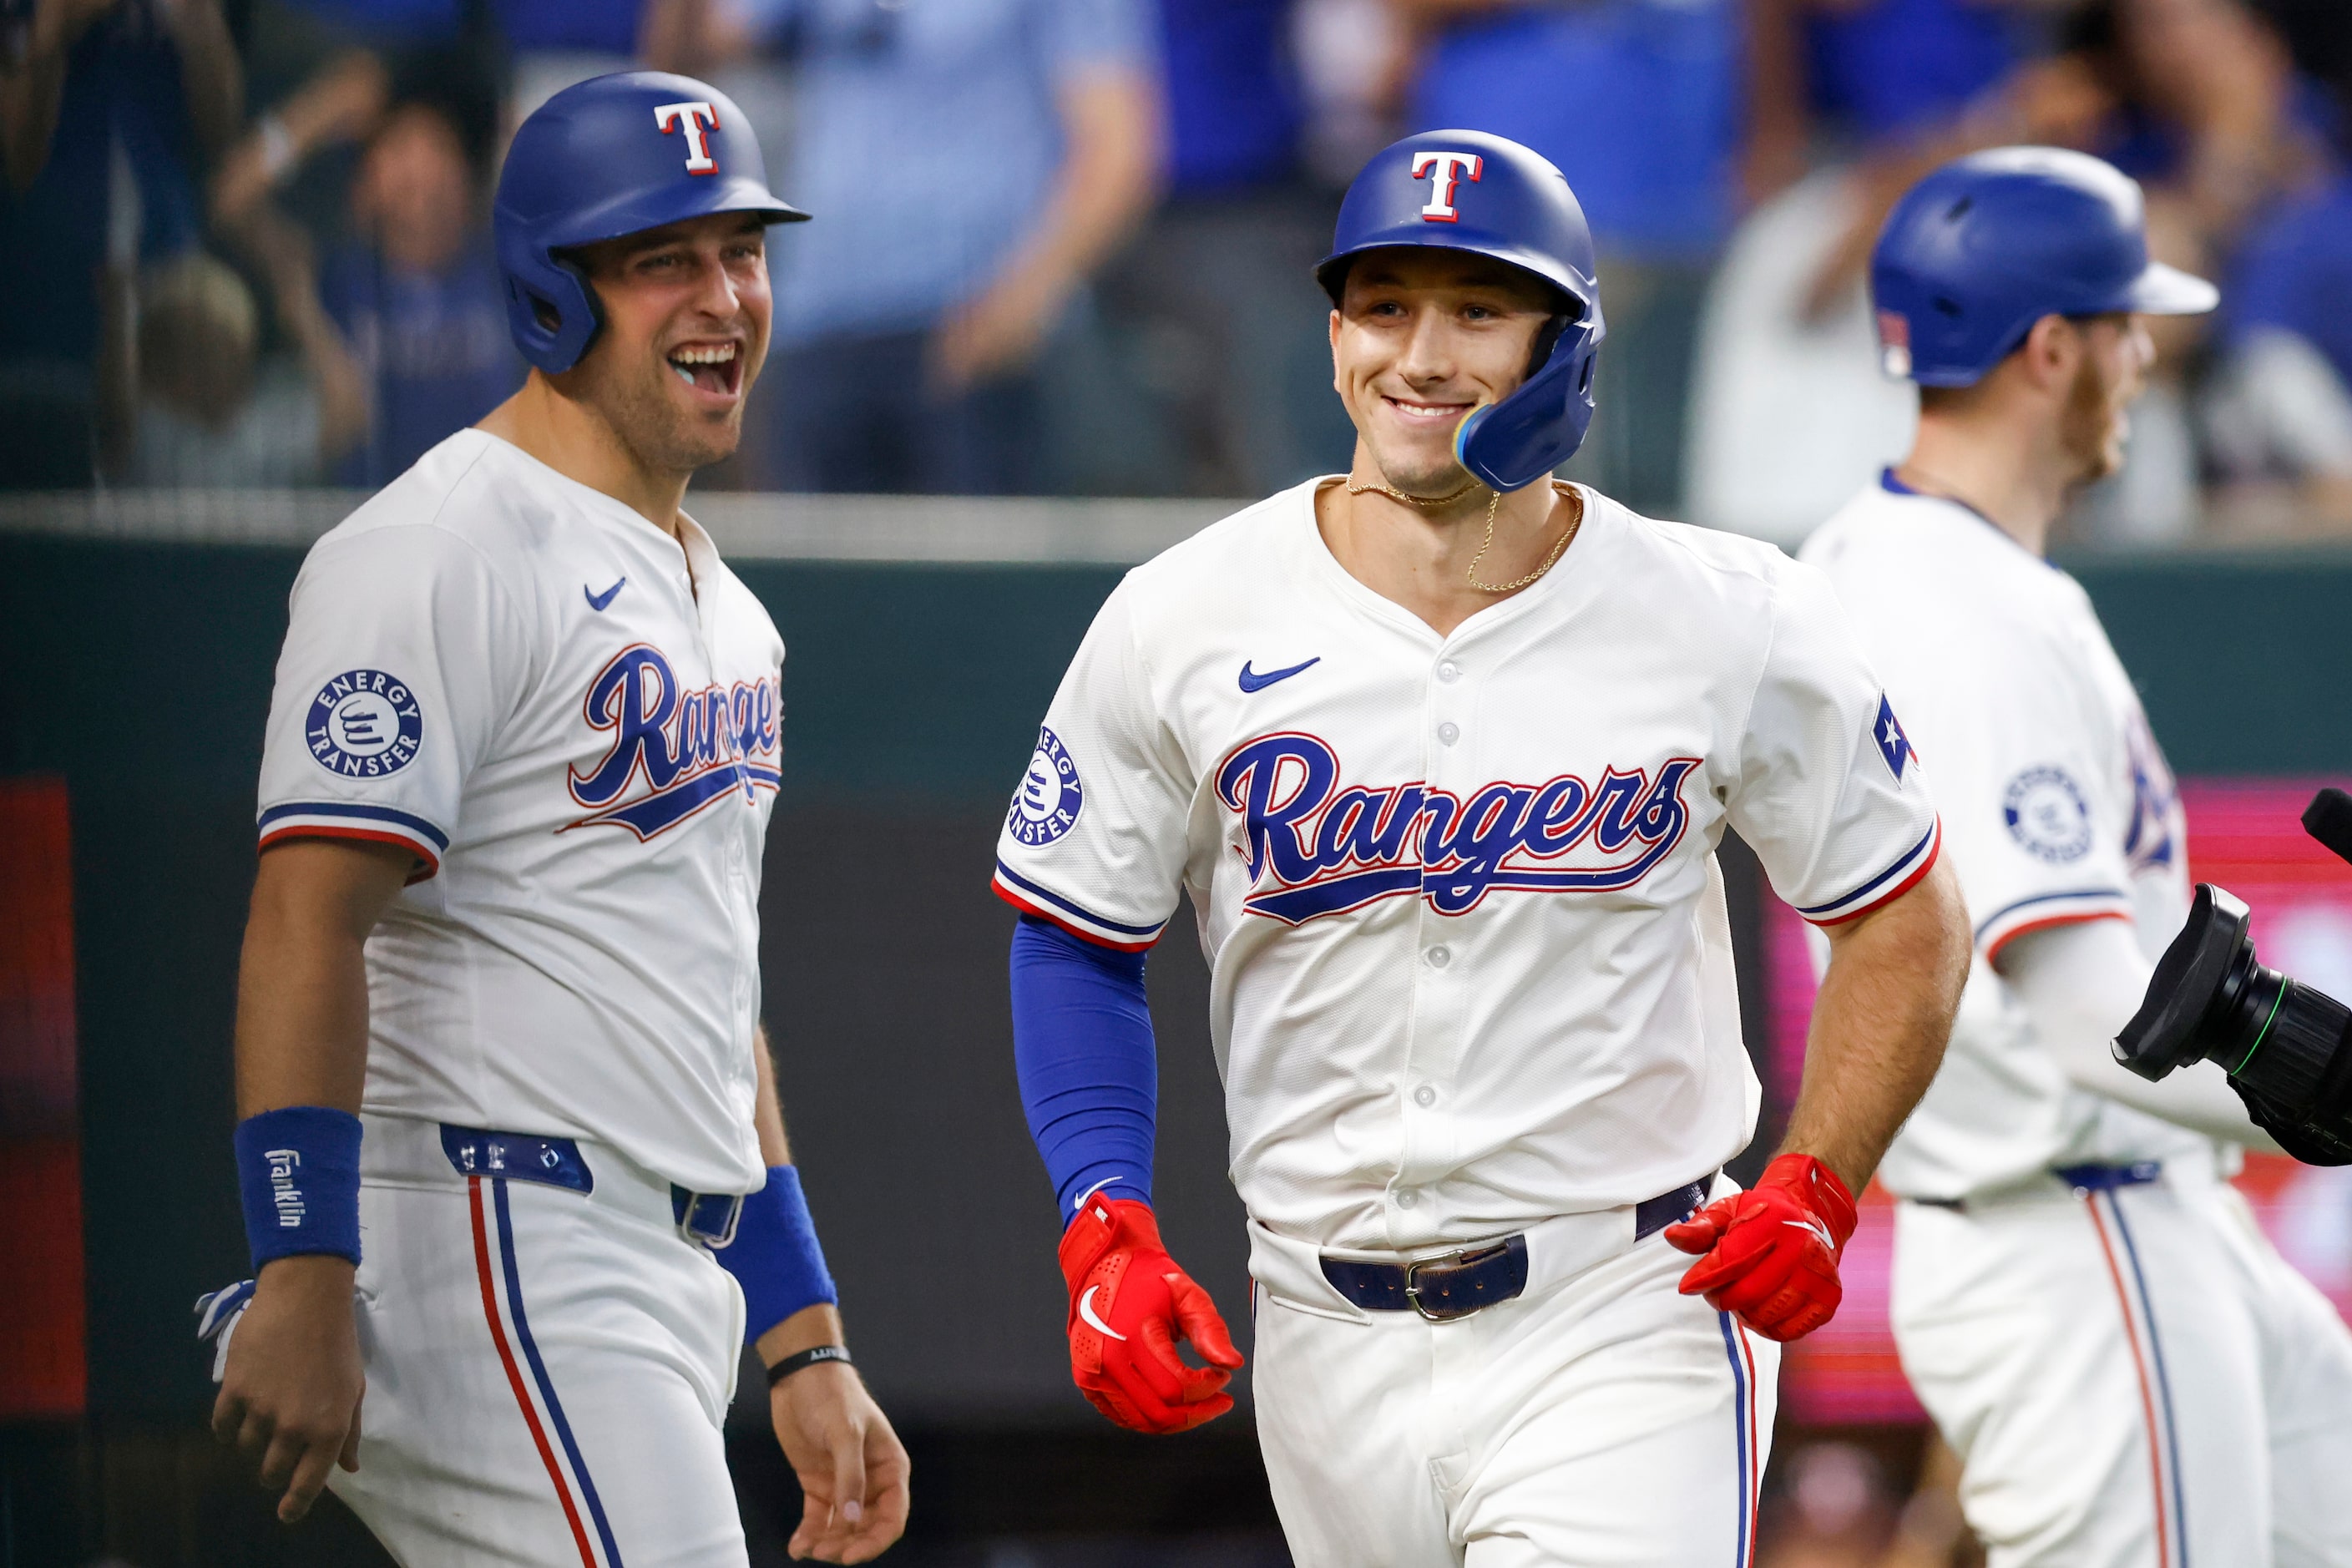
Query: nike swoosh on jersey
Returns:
{"type": "Point", "coordinates": [1086, 1313]}
{"type": "Point", "coordinates": [1253, 681]}
{"type": "Point", "coordinates": [598, 600]}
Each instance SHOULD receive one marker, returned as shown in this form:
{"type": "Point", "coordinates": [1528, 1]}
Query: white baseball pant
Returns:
{"type": "Point", "coordinates": [2132, 1378]}
{"type": "Point", "coordinates": [1600, 1418]}
{"type": "Point", "coordinates": [546, 1369]}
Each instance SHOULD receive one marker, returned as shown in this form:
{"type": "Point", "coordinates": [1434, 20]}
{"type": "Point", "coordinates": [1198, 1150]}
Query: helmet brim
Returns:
{"type": "Point", "coordinates": [628, 213]}
{"type": "Point", "coordinates": [2164, 291]}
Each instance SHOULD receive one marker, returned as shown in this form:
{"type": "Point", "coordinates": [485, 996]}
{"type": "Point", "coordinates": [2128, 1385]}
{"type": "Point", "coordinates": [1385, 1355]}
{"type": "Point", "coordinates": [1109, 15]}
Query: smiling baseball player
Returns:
{"type": "Point", "coordinates": [1441, 753]}
{"type": "Point", "coordinates": [498, 1011]}
{"type": "Point", "coordinates": [2130, 1375]}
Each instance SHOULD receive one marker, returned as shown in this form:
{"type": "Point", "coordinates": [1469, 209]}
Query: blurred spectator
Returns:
{"type": "Point", "coordinates": [1835, 1511]}
{"type": "Point", "coordinates": [1349, 55]}
{"type": "Point", "coordinates": [106, 111]}
{"type": "Point", "coordinates": [1214, 305]}
{"type": "Point", "coordinates": [1864, 73]}
{"type": "Point", "coordinates": [969, 167]}
{"type": "Point", "coordinates": [559, 42]}
{"type": "Point", "coordinates": [2279, 416]}
{"type": "Point", "coordinates": [419, 298]}
{"type": "Point", "coordinates": [207, 410]}
{"type": "Point", "coordinates": [339, 104]}
{"type": "Point", "coordinates": [1637, 101]}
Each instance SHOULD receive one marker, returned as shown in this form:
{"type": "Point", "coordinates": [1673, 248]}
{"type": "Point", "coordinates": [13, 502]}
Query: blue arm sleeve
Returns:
{"type": "Point", "coordinates": [1089, 1076]}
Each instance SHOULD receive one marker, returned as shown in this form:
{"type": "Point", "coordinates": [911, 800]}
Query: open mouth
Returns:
{"type": "Point", "coordinates": [714, 368]}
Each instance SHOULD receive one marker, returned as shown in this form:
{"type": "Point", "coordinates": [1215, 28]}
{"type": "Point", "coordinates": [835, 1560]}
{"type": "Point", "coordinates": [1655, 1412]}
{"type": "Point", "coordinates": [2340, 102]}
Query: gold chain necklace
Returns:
{"type": "Point", "coordinates": [1494, 505]}
{"type": "Point", "coordinates": [1550, 561]}
{"type": "Point", "coordinates": [1427, 503]}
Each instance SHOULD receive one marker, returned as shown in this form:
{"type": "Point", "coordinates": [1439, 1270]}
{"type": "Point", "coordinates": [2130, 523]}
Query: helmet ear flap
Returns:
{"type": "Point", "coordinates": [552, 311]}
{"type": "Point", "coordinates": [1512, 444]}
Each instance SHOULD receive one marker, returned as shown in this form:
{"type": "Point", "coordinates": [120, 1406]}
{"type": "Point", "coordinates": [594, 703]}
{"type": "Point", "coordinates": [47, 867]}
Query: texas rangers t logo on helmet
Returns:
{"type": "Point", "coordinates": [697, 120]}
{"type": "Point", "coordinates": [1445, 170]}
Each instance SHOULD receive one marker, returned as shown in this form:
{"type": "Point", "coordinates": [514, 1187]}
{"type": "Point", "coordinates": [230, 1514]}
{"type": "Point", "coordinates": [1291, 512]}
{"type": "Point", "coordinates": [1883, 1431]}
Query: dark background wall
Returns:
{"type": "Point", "coordinates": [142, 674]}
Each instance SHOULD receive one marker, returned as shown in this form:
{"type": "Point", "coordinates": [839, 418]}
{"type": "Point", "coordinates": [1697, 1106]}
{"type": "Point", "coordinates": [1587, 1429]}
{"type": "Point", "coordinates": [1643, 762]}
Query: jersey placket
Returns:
{"type": "Point", "coordinates": [741, 817]}
{"type": "Point", "coordinates": [1442, 967]}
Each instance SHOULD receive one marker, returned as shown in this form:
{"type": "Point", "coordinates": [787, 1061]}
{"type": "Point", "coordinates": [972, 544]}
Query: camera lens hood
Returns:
{"type": "Point", "coordinates": [2195, 988]}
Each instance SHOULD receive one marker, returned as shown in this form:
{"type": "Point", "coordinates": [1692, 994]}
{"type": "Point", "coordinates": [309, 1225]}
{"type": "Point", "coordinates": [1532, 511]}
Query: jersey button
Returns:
{"type": "Point", "coordinates": [1407, 1198]}
{"type": "Point", "coordinates": [1449, 672]}
{"type": "Point", "coordinates": [1425, 1096]}
{"type": "Point", "coordinates": [1449, 732]}
{"type": "Point", "coordinates": [1440, 957]}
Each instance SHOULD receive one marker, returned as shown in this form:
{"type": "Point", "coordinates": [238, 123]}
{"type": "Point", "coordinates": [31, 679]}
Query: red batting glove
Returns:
{"type": "Point", "coordinates": [1128, 1304]}
{"type": "Point", "coordinates": [1770, 1253]}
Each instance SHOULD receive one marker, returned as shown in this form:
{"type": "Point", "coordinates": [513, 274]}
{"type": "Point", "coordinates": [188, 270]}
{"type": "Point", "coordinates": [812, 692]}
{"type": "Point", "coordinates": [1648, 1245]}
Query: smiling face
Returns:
{"type": "Point", "coordinates": [1420, 338]}
{"type": "Point", "coordinates": [686, 313]}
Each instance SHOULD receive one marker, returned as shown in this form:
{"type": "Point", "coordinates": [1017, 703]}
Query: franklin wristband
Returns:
{"type": "Point", "coordinates": [774, 1256]}
{"type": "Point", "coordinates": [297, 1173]}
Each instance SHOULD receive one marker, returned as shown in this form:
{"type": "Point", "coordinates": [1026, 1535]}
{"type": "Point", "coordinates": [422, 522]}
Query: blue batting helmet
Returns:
{"type": "Point", "coordinates": [1464, 190]}
{"type": "Point", "coordinates": [613, 155]}
{"type": "Point", "coordinates": [1985, 247]}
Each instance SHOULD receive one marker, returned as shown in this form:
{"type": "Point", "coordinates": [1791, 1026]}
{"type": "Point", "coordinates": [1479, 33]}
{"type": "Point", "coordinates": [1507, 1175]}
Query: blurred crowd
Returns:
{"type": "Point", "coordinates": [1063, 246]}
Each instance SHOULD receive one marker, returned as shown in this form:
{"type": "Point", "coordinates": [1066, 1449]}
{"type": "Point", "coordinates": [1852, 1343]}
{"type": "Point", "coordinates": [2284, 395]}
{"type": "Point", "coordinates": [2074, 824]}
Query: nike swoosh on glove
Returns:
{"type": "Point", "coordinates": [1770, 1253]}
{"type": "Point", "coordinates": [1128, 1305]}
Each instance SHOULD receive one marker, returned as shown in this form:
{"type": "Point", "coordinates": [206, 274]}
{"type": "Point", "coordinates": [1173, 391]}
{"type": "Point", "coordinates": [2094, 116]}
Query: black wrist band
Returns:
{"type": "Point", "coordinates": [810, 1357]}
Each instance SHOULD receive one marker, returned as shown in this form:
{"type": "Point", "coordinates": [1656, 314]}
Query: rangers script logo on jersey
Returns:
{"type": "Point", "coordinates": [1332, 849]}
{"type": "Point", "coordinates": [690, 748]}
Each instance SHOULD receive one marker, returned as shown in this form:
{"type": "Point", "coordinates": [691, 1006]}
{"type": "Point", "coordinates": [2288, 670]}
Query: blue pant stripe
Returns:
{"type": "Point", "coordinates": [547, 1384]}
{"type": "Point", "coordinates": [1740, 1430]}
{"type": "Point", "coordinates": [2163, 1384]}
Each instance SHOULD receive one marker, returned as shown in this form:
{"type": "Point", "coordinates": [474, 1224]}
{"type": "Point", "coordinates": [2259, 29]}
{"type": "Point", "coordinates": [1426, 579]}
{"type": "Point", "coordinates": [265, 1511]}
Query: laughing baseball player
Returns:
{"type": "Point", "coordinates": [499, 1011]}
{"type": "Point", "coordinates": [1441, 751]}
{"type": "Point", "coordinates": [2129, 1372]}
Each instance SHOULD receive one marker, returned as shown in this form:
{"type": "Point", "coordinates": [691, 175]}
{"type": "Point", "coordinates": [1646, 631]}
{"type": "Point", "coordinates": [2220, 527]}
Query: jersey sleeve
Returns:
{"type": "Point", "coordinates": [1830, 794]}
{"type": "Point", "coordinates": [2039, 836]}
{"type": "Point", "coordinates": [1094, 840]}
{"type": "Point", "coordinates": [403, 650]}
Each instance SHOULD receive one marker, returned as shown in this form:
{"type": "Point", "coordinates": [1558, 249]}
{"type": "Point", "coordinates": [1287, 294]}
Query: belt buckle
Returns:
{"type": "Point", "coordinates": [1450, 1259]}
{"type": "Point", "coordinates": [694, 1225]}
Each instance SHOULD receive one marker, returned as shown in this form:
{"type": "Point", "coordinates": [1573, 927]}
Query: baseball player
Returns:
{"type": "Point", "coordinates": [497, 1014]}
{"type": "Point", "coordinates": [1442, 751]}
{"type": "Point", "coordinates": [2128, 1371]}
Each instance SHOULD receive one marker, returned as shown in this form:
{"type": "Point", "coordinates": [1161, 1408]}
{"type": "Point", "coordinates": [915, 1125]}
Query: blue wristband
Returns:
{"type": "Point", "coordinates": [297, 1172]}
{"type": "Point", "coordinates": [775, 1256]}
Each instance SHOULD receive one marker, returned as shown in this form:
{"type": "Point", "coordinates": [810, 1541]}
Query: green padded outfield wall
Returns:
{"type": "Point", "coordinates": [140, 673]}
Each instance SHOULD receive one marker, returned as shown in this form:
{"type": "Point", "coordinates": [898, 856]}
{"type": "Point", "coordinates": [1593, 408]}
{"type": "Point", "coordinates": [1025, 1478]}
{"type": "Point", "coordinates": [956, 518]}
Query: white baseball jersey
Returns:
{"type": "Point", "coordinates": [1470, 964]}
{"type": "Point", "coordinates": [572, 721]}
{"type": "Point", "coordinates": [2057, 806]}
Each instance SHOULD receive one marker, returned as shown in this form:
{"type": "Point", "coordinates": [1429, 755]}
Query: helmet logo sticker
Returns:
{"type": "Point", "coordinates": [1445, 170]}
{"type": "Point", "coordinates": [697, 120]}
{"type": "Point", "coordinates": [1895, 344]}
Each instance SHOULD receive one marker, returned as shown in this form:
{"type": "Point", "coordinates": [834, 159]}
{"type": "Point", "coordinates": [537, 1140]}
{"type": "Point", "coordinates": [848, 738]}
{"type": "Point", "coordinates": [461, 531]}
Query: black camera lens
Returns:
{"type": "Point", "coordinates": [2284, 1044]}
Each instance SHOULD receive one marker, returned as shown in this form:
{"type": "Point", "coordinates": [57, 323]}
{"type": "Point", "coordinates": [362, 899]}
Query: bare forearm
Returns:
{"type": "Point", "coordinates": [302, 1002]}
{"type": "Point", "coordinates": [767, 1110]}
{"type": "Point", "coordinates": [1880, 1023]}
{"type": "Point", "coordinates": [210, 76]}
{"type": "Point", "coordinates": [1108, 183]}
{"type": "Point", "coordinates": [335, 376]}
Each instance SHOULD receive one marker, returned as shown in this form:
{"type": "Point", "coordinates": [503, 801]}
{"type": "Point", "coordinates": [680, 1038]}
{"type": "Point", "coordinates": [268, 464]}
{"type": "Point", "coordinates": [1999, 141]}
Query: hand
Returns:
{"type": "Point", "coordinates": [997, 331]}
{"type": "Point", "coordinates": [1128, 1304]}
{"type": "Point", "coordinates": [853, 1472]}
{"type": "Point", "coordinates": [1770, 1253]}
{"type": "Point", "coordinates": [292, 1387]}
